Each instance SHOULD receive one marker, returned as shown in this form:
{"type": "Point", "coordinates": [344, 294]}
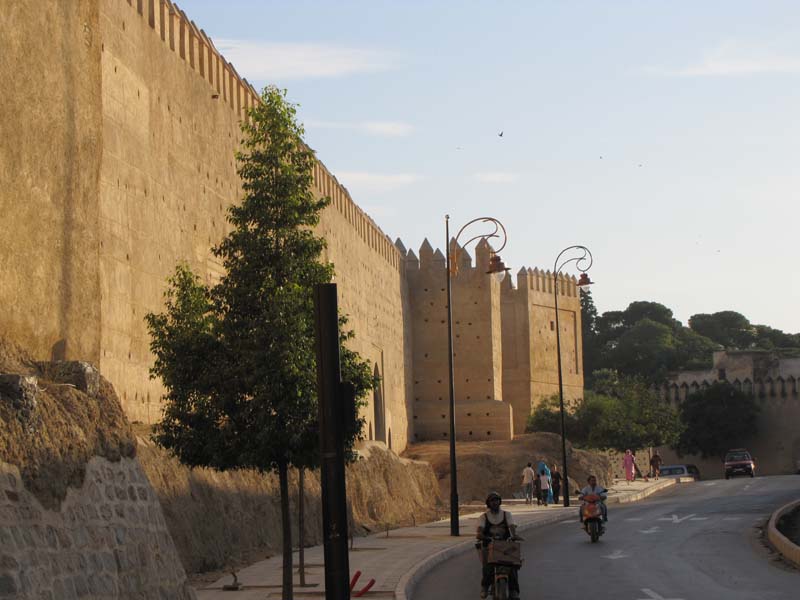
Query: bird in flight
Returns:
{"type": "Point", "coordinates": [500, 134]}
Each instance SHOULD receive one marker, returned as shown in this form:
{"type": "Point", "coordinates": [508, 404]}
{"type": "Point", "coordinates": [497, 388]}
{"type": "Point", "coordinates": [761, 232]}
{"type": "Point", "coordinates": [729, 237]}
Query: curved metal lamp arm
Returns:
{"type": "Point", "coordinates": [498, 229]}
{"type": "Point", "coordinates": [580, 261]}
{"type": "Point", "coordinates": [498, 226]}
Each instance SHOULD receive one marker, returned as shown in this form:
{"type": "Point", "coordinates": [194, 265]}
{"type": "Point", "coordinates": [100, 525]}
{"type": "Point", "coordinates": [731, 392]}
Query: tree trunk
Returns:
{"type": "Point", "coordinates": [301, 525]}
{"type": "Point", "coordinates": [286, 523]}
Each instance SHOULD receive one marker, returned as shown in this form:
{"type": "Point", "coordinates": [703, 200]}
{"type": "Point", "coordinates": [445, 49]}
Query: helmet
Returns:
{"type": "Point", "coordinates": [492, 496]}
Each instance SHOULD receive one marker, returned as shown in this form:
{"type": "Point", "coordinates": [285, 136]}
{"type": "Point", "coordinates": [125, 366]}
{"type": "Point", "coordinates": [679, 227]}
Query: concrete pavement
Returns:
{"type": "Point", "coordinates": [397, 560]}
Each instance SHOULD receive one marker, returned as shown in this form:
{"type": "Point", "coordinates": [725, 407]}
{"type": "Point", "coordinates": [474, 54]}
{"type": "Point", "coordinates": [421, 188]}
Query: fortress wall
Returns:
{"type": "Point", "coordinates": [49, 164]}
{"type": "Point", "coordinates": [530, 374]}
{"type": "Point", "coordinates": [374, 295]}
{"type": "Point", "coordinates": [517, 350]}
{"type": "Point", "coordinates": [477, 348]}
{"type": "Point", "coordinates": [543, 337]}
{"type": "Point", "coordinates": [167, 176]}
{"type": "Point", "coordinates": [171, 112]}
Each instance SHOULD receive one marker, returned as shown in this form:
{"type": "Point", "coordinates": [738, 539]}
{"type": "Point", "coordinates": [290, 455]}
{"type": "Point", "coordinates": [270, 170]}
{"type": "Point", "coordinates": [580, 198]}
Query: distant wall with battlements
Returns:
{"type": "Point", "coordinates": [773, 381]}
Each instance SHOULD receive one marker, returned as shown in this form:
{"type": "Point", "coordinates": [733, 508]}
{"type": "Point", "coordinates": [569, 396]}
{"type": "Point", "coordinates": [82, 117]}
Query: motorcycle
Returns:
{"type": "Point", "coordinates": [592, 516]}
{"type": "Point", "coordinates": [503, 556]}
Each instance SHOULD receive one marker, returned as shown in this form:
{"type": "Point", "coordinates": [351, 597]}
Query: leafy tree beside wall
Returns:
{"type": "Point", "coordinates": [238, 359]}
{"type": "Point", "coordinates": [717, 419]}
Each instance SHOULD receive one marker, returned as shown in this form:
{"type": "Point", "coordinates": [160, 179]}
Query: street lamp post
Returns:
{"type": "Point", "coordinates": [497, 268]}
{"type": "Point", "coordinates": [580, 260]}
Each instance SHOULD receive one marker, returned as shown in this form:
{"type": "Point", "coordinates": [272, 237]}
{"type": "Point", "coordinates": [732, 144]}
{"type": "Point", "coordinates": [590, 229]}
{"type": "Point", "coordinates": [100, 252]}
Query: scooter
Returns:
{"type": "Point", "coordinates": [592, 516]}
{"type": "Point", "coordinates": [503, 556]}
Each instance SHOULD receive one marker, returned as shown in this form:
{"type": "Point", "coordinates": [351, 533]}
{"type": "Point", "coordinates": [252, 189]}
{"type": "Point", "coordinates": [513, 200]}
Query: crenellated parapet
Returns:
{"type": "Point", "coordinates": [189, 42]}
{"type": "Point", "coordinates": [192, 45]}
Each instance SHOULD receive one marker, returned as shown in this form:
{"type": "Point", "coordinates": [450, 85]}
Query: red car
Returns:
{"type": "Point", "coordinates": [739, 462]}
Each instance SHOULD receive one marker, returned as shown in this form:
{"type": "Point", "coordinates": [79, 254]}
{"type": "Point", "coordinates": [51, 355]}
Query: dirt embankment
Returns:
{"type": "Point", "coordinates": [484, 466]}
{"type": "Point", "coordinates": [50, 427]}
{"type": "Point", "coordinates": [233, 518]}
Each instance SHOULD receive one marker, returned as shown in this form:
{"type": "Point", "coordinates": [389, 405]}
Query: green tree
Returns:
{"type": "Point", "coordinates": [592, 346]}
{"type": "Point", "coordinates": [648, 349]}
{"type": "Point", "coordinates": [716, 419]}
{"type": "Point", "coordinates": [238, 359]}
{"type": "Point", "coordinates": [624, 412]}
{"type": "Point", "coordinates": [728, 328]}
{"type": "Point", "coordinates": [547, 417]}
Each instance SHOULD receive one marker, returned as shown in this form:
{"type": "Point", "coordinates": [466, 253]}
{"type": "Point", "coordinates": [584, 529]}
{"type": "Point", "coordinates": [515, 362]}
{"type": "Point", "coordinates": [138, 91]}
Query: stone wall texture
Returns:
{"type": "Point", "coordinates": [125, 167]}
{"type": "Point", "coordinates": [107, 540]}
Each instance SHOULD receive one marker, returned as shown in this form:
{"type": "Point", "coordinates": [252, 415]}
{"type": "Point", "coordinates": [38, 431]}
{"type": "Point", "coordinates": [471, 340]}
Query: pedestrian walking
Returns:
{"type": "Point", "coordinates": [547, 493]}
{"type": "Point", "coordinates": [629, 465]}
{"type": "Point", "coordinates": [655, 464]}
{"type": "Point", "coordinates": [528, 475]}
{"type": "Point", "coordinates": [537, 488]}
{"type": "Point", "coordinates": [543, 466]}
{"type": "Point", "coordinates": [555, 477]}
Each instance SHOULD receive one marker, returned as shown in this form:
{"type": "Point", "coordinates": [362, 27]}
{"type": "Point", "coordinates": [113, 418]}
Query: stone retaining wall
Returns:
{"type": "Point", "coordinates": [108, 539]}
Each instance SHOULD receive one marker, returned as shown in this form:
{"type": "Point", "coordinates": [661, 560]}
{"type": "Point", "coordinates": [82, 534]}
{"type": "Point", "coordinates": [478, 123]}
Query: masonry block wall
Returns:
{"type": "Point", "coordinates": [108, 539]}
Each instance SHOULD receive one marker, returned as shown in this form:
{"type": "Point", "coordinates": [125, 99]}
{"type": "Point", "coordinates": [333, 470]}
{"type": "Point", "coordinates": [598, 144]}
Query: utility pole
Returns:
{"type": "Point", "coordinates": [333, 399]}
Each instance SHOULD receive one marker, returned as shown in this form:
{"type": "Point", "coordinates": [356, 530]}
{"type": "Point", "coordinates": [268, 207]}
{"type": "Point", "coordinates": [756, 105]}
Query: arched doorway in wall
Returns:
{"type": "Point", "coordinates": [379, 414]}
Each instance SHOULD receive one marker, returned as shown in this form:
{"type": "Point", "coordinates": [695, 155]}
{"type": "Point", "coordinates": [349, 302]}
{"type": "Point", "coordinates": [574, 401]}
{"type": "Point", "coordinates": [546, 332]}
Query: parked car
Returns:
{"type": "Point", "coordinates": [680, 471]}
{"type": "Point", "coordinates": [739, 462]}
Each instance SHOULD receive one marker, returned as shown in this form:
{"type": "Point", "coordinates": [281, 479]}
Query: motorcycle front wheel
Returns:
{"type": "Point", "coordinates": [500, 589]}
{"type": "Point", "coordinates": [594, 530]}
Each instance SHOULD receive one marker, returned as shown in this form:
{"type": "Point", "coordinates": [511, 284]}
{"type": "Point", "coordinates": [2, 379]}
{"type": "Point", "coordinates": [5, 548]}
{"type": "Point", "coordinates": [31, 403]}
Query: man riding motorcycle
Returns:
{"type": "Point", "coordinates": [496, 524]}
{"type": "Point", "coordinates": [599, 490]}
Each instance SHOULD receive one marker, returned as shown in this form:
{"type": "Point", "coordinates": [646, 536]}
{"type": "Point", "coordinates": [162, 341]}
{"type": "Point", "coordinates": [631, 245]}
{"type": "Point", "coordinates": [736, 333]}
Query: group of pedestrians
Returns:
{"type": "Point", "coordinates": [632, 469]}
{"type": "Point", "coordinates": [541, 483]}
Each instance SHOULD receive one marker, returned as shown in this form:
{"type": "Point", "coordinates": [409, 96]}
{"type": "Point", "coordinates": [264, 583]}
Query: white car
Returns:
{"type": "Point", "coordinates": [680, 471]}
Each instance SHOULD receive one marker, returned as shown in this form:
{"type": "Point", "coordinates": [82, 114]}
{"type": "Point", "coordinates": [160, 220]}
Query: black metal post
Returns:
{"type": "Point", "coordinates": [561, 395]}
{"type": "Point", "coordinates": [332, 473]}
{"type": "Point", "coordinates": [454, 526]}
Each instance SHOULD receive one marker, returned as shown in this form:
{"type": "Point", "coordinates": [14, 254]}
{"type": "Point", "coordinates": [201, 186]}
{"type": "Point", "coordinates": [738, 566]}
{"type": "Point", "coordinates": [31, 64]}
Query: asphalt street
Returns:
{"type": "Point", "coordinates": [698, 541]}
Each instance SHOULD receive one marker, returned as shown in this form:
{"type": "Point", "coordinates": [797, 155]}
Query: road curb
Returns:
{"type": "Point", "coordinates": [657, 487]}
{"type": "Point", "coordinates": [788, 549]}
{"type": "Point", "coordinates": [405, 587]}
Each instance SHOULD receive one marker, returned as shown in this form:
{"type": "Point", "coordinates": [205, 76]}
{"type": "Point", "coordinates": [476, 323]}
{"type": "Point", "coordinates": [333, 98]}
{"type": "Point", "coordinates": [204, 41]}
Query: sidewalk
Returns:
{"type": "Point", "coordinates": [398, 560]}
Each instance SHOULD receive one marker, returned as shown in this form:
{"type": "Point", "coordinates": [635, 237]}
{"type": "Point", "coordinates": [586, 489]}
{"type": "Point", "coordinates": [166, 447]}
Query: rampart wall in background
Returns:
{"type": "Point", "coordinates": [773, 382]}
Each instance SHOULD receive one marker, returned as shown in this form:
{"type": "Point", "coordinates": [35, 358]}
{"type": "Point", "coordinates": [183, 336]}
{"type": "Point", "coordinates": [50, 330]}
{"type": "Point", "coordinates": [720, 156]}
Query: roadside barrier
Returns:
{"type": "Point", "coordinates": [788, 549]}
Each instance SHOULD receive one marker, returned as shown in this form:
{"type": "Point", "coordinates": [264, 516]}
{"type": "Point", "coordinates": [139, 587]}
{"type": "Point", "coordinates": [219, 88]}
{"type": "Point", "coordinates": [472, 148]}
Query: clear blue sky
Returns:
{"type": "Point", "coordinates": [663, 135]}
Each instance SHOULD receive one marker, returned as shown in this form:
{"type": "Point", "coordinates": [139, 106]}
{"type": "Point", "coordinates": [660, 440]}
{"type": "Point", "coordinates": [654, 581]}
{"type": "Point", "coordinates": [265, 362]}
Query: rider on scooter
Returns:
{"type": "Point", "coordinates": [590, 489]}
{"type": "Point", "coordinates": [494, 524]}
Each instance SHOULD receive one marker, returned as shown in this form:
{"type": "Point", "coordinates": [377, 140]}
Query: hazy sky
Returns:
{"type": "Point", "coordinates": [663, 135]}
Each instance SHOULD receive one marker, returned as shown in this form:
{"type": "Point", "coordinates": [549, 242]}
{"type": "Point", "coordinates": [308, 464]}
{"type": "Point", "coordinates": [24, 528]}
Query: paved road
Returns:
{"type": "Point", "coordinates": [693, 542]}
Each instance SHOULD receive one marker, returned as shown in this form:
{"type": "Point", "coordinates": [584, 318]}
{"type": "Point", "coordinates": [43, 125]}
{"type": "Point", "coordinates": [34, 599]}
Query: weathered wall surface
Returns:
{"type": "Point", "coordinates": [107, 540]}
{"type": "Point", "coordinates": [49, 164]}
